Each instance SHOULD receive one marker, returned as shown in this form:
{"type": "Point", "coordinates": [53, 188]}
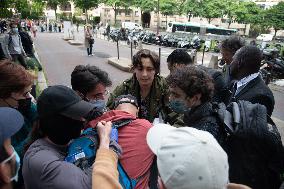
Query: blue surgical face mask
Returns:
{"type": "Point", "coordinates": [15, 30]}
{"type": "Point", "coordinates": [178, 106]}
{"type": "Point", "coordinates": [17, 165]}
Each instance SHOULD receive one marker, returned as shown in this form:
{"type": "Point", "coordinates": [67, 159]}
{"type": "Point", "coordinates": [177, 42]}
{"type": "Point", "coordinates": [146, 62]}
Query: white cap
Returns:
{"type": "Point", "coordinates": [188, 158]}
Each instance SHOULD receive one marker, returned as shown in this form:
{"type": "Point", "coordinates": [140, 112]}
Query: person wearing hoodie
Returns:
{"type": "Point", "coordinates": [137, 158]}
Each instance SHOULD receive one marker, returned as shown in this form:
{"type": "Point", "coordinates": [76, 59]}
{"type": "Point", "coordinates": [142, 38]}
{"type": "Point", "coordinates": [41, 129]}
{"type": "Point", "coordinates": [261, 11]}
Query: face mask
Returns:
{"type": "Point", "coordinates": [100, 108]}
{"type": "Point", "coordinates": [178, 106]}
{"type": "Point", "coordinates": [15, 30]}
{"type": "Point", "coordinates": [61, 130]}
{"type": "Point", "coordinates": [17, 164]}
{"type": "Point", "coordinates": [24, 105]}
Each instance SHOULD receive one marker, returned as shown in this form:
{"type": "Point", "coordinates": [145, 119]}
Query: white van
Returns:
{"type": "Point", "coordinates": [131, 26]}
{"type": "Point", "coordinates": [265, 37]}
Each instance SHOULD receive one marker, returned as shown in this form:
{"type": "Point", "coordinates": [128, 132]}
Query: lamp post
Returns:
{"type": "Point", "coordinates": [158, 17]}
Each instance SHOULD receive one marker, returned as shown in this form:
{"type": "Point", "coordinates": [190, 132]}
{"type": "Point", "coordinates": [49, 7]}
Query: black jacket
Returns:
{"type": "Point", "coordinates": [256, 91]}
{"type": "Point", "coordinates": [221, 91]}
{"type": "Point", "coordinates": [204, 118]}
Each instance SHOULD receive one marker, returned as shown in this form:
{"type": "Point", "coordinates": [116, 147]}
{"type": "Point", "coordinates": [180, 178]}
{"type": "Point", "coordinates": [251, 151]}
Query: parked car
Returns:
{"type": "Point", "coordinates": [131, 26]}
{"type": "Point", "coordinates": [265, 37]}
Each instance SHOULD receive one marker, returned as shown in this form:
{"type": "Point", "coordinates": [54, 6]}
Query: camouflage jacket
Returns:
{"type": "Point", "coordinates": [158, 103]}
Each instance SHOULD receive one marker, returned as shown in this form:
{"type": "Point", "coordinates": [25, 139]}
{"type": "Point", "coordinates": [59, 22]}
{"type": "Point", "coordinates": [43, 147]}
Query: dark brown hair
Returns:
{"type": "Point", "coordinates": [145, 53]}
{"type": "Point", "coordinates": [192, 80]}
{"type": "Point", "coordinates": [13, 78]}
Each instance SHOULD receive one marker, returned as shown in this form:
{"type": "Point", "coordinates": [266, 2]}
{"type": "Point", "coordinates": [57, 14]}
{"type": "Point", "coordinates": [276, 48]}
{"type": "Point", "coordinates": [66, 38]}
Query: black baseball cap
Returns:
{"type": "Point", "coordinates": [59, 99]}
{"type": "Point", "coordinates": [125, 99]}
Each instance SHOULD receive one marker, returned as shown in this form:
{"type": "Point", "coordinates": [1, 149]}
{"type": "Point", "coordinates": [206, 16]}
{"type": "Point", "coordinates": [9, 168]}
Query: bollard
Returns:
{"type": "Point", "coordinates": [117, 49]}
{"type": "Point", "coordinates": [131, 50]}
{"type": "Point", "coordinates": [160, 54]}
{"type": "Point", "coordinates": [203, 54]}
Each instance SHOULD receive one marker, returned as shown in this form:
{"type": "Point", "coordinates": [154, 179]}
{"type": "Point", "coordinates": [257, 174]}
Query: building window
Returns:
{"type": "Point", "coordinates": [127, 12]}
{"type": "Point", "coordinates": [119, 12]}
{"type": "Point", "coordinates": [164, 23]}
{"type": "Point", "coordinates": [127, 20]}
{"type": "Point", "coordinates": [136, 13]}
{"type": "Point", "coordinates": [136, 21]}
{"type": "Point", "coordinates": [66, 7]}
{"type": "Point", "coordinates": [107, 11]}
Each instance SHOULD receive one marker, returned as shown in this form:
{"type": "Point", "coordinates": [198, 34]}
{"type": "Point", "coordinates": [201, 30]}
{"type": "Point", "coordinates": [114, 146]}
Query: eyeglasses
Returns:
{"type": "Point", "coordinates": [27, 93]}
{"type": "Point", "coordinates": [97, 96]}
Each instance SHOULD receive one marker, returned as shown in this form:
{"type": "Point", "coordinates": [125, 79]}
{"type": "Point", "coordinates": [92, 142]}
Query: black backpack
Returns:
{"type": "Point", "coordinates": [253, 145]}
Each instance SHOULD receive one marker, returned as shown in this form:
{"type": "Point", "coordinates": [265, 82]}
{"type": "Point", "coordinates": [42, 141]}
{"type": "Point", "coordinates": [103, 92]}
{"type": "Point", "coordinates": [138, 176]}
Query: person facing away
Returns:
{"type": "Point", "coordinates": [90, 82]}
{"type": "Point", "coordinates": [137, 159]}
{"type": "Point", "coordinates": [61, 119]}
{"type": "Point", "coordinates": [150, 89]}
{"type": "Point", "coordinates": [180, 58]}
{"type": "Point", "coordinates": [247, 82]}
{"type": "Point", "coordinates": [228, 48]}
{"type": "Point", "coordinates": [189, 158]}
{"type": "Point", "coordinates": [11, 122]}
{"type": "Point", "coordinates": [14, 46]}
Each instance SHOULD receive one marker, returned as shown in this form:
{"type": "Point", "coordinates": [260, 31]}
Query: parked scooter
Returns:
{"type": "Point", "coordinates": [132, 38]}
{"type": "Point", "coordinates": [272, 64]}
{"type": "Point", "coordinates": [195, 42]}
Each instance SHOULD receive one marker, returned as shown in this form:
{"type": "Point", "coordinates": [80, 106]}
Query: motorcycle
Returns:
{"type": "Point", "coordinates": [195, 42]}
{"type": "Point", "coordinates": [132, 38]}
{"type": "Point", "coordinates": [272, 66]}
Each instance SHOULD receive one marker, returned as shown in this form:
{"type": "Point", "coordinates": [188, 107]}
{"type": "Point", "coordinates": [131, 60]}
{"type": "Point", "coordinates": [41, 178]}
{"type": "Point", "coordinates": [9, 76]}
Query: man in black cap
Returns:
{"type": "Point", "coordinates": [11, 122]}
{"type": "Point", "coordinates": [61, 118]}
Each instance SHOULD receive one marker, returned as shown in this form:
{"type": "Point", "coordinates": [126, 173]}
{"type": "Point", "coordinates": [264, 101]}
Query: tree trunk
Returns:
{"type": "Point", "coordinates": [166, 21]}
{"type": "Point", "coordinates": [86, 14]}
{"type": "Point", "coordinates": [115, 13]}
{"type": "Point", "coordinates": [275, 32]}
{"type": "Point", "coordinates": [189, 17]}
{"type": "Point", "coordinates": [209, 20]}
{"type": "Point", "coordinates": [230, 22]}
{"type": "Point", "coordinates": [55, 14]}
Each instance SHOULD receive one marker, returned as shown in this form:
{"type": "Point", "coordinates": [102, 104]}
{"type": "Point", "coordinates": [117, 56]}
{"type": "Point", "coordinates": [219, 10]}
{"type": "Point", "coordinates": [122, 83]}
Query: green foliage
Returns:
{"type": "Point", "coordinates": [190, 8]}
{"type": "Point", "coordinates": [5, 12]}
{"type": "Point", "coordinates": [168, 7]}
{"type": "Point", "coordinates": [274, 17]}
{"type": "Point", "coordinates": [145, 5]}
{"type": "Point", "coordinates": [86, 4]}
{"type": "Point", "coordinates": [212, 9]}
{"type": "Point", "coordinates": [248, 13]}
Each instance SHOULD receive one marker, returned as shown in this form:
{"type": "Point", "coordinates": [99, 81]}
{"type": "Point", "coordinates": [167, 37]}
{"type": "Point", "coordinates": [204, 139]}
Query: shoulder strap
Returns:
{"type": "Point", "coordinates": [121, 123]}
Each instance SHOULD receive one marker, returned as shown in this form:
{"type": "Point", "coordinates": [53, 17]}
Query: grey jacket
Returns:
{"type": "Point", "coordinates": [44, 168]}
{"type": "Point", "coordinates": [4, 45]}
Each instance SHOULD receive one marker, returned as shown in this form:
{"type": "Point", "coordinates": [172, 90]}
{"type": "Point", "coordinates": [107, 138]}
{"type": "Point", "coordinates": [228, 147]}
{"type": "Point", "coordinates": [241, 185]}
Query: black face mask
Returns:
{"type": "Point", "coordinates": [60, 129]}
{"type": "Point", "coordinates": [24, 105]}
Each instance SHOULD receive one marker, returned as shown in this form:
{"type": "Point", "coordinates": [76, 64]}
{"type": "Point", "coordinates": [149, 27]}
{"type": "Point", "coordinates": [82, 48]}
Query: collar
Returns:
{"type": "Point", "coordinates": [244, 81]}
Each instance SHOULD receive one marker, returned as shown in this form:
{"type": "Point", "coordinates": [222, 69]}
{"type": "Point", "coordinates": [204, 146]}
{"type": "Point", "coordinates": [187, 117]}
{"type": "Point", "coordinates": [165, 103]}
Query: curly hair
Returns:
{"type": "Point", "coordinates": [233, 43]}
{"type": "Point", "coordinates": [192, 80]}
{"type": "Point", "coordinates": [145, 53]}
{"type": "Point", "coordinates": [179, 56]}
{"type": "Point", "coordinates": [13, 78]}
{"type": "Point", "coordinates": [85, 78]}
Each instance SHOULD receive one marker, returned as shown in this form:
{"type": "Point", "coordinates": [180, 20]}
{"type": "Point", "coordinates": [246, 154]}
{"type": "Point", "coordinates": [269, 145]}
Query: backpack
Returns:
{"type": "Point", "coordinates": [253, 144]}
{"type": "Point", "coordinates": [82, 153]}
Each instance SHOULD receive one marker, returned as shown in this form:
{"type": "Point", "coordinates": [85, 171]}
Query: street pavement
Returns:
{"type": "Point", "coordinates": [59, 58]}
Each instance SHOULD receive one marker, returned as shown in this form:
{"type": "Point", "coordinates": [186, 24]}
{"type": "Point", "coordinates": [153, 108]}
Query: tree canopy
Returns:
{"type": "Point", "coordinates": [274, 17]}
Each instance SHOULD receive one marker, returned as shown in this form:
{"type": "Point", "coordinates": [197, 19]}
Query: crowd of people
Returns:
{"type": "Point", "coordinates": [16, 44]}
{"type": "Point", "coordinates": [169, 136]}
